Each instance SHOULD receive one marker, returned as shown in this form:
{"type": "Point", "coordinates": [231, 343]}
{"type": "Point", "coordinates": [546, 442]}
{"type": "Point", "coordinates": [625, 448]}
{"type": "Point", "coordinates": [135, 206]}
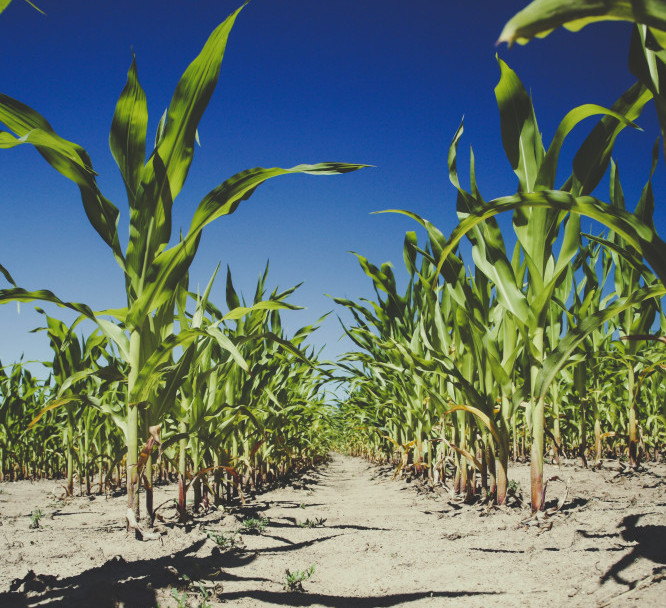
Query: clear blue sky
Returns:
{"type": "Point", "coordinates": [382, 82]}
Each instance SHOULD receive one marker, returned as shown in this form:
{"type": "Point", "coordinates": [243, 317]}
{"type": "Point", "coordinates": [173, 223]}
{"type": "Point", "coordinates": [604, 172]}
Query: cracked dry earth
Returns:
{"type": "Point", "coordinates": [373, 542]}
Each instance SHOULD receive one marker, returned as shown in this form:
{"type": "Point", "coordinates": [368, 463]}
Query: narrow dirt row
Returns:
{"type": "Point", "coordinates": [372, 542]}
{"type": "Point", "coordinates": [374, 547]}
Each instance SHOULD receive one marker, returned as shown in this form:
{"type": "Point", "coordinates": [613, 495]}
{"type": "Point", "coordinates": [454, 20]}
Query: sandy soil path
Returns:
{"type": "Point", "coordinates": [373, 542]}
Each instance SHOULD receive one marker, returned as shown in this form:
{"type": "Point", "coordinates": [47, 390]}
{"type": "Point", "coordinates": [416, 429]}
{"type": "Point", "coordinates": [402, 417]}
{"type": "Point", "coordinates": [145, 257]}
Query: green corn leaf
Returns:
{"type": "Point", "coordinates": [520, 133]}
{"type": "Point", "coordinates": [7, 276]}
{"type": "Point", "coordinates": [117, 335]}
{"type": "Point", "coordinates": [468, 200]}
{"type": "Point", "coordinates": [232, 296]}
{"type": "Point", "coordinates": [649, 65]}
{"type": "Point", "coordinates": [627, 254]}
{"type": "Point", "coordinates": [68, 159]}
{"type": "Point", "coordinates": [153, 371]}
{"type": "Point", "coordinates": [127, 138]}
{"type": "Point", "coordinates": [541, 17]}
{"type": "Point", "coordinates": [227, 196]}
{"type": "Point", "coordinates": [409, 252]}
{"type": "Point", "coordinates": [43, 295]}
{"type": "Point", "coordinates": [52, 405]}
{"type": "Point", "coordinates": [616, 192]}
{"type": "Point", "coordinates": [198, 317]}
{"type": "Point", "coordinates": [112, 331]}
{"type": "Point", "coordinates": [490, 257]}
{"type": "Point", "coordinates": [303, 332]}
{"type": "Point", "coordinates": [39, 10]}
{"type": "Point", "coordinates": [592, 158]}
{"type": "Point", "coordinates": [547, 171]}
{"type": "Point", "coordinates": [569, 247]}
{"type": "Point", "coordinates": [536, 228]}
{"type": "Point", "coordinates": [241, 311]}
{"type": "Point", "coordinates": [5, 3]}
{"type": "Point", "coordinates": [226, 344]}
{"type": "Point", "coordinates": [568, 250]}
{"type": "Point", "coordinates": [259, 292]}
{"type": "Point", "coordinates": [117, 313]}
{"type": "Point", "coordinates": [488, 250]}
{"type": "Point", "coordinates": [487, 421]}
{"type": "Point", "coordinates": [73, 379]}
{"type": "Point", "coordinates": [288, 345]}
{"type": "Point", "coordinates": [188, 104]}
{"type": "Point", "coordinates": [161, 126]}
{"type": "Point", "coordinates": [645, 208]}
{"type": "Point", "coordinates": [63, 155]}
{"type": "Point", "coordinates": [451, 271]}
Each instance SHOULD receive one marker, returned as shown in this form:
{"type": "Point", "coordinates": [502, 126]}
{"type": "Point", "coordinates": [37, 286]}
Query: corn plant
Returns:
{"type": "Point", "coordinates": [22, 395]}
{"type": "Point", "coordinates": [72, 366]}
{"type": "Point", "coordinates": [35, 518]}
{"type": "Point", "coordinates": [535, 169]}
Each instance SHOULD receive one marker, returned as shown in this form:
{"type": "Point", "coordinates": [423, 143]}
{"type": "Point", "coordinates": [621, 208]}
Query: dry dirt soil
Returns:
{"type": "Point", "coordinates": [373, 541]}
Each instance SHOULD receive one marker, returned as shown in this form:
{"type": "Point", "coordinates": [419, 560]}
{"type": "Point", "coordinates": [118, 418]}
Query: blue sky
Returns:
{"type": "Point", "coordinates": [382, 82]}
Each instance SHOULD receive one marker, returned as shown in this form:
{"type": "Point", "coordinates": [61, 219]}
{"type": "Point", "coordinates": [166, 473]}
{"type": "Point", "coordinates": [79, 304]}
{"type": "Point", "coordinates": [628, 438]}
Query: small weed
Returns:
{"type": "Point", "coordinates": [317, 523]}
{"type": "Point", "coordinates": [514, 486]}
{"type": "Point", "coordinates": [37, 514]}
{"type": "Point", "coordinates": [254, 525]}
{"type": "Point", "coordinates": [180, 598]}
{"type": "Point", "coordinates": [294, 580]}
{"type": "Point", "coordinates": [205, 595]}
{"type": "Point", "coordinates": [302, 505]}
{"type": "Point", "coordinates": [227, 540]}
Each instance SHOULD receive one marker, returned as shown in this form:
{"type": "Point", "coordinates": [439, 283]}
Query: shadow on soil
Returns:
{"type": "Point", "coordinates": [293, 522]}
{"type": "Point", "coordinates": [121, 583]}
{"type": "Point", "coordinates": [336, 601]}
{"type": "Point", "coordinates": [129, 584]}
{"type": "Point", "coordinates": [136, 584]}
{"type": "Point", "coordinates": [650, 542]}
{"type": "Point", "coordinates": [291, 546]}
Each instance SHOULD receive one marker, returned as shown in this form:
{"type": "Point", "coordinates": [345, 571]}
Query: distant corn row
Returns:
{"type": "Point", "coordinates": [544, 347]}
{"type": "Point", "coordinates": [242, 416]}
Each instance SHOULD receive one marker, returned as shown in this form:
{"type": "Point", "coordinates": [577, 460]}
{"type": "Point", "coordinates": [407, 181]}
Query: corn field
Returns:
{"type": "Point", "coordinates": [529, 340]}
